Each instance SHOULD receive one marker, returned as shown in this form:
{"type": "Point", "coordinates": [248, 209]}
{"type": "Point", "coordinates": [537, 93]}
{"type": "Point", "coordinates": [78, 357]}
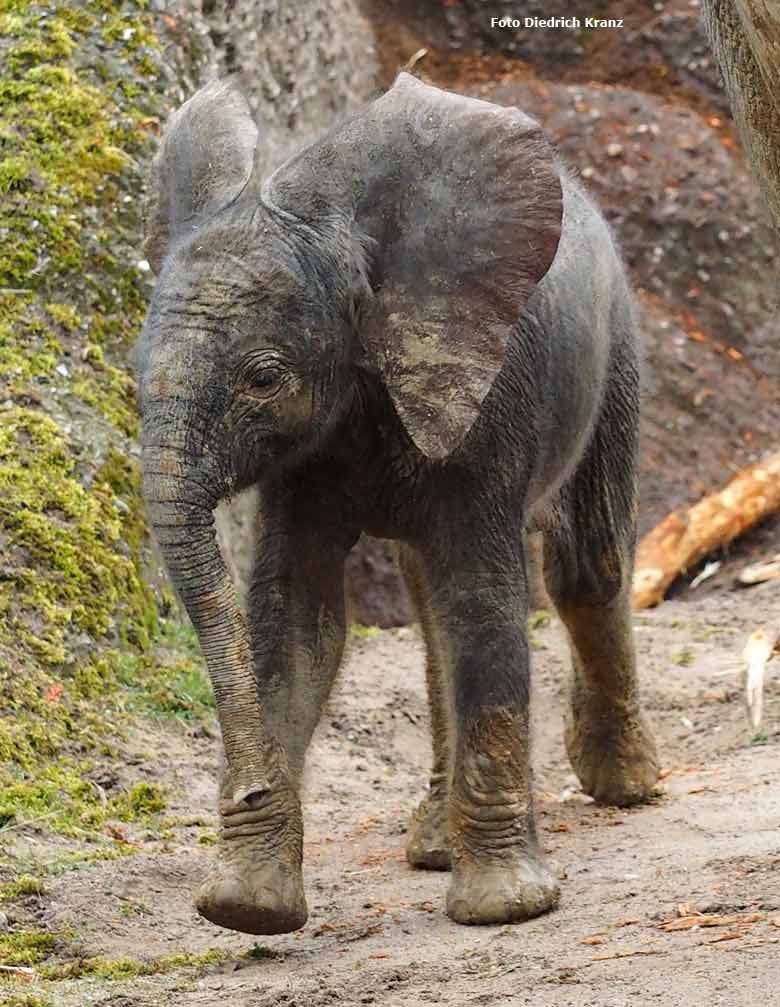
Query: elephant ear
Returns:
{"type": "Point", "coordinates": [459, 203]}
{"type": "Point", "coordinates": [204, 160]}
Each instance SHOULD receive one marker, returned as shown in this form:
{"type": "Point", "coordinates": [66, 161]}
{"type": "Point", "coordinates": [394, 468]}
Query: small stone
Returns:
{"type": "Point", "coordinates": [62, 370]}
{"type": "Point", "coordinates": [143, 266]}
{"type": "Point", "coordinates": [629, 174]}
{"type": "Point", "coordinates": [127, 34]}
{"type": "Point", "coordinates": [686, 142]}
{"type": "Point", "coordinates": [587, 172]}
{"type": "Point", "coordinates": [614, 149]}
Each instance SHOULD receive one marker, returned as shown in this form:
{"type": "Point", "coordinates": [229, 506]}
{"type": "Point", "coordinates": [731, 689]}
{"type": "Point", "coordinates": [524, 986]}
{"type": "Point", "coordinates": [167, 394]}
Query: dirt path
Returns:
{"type": "Point", "coordinates": [377, 933]}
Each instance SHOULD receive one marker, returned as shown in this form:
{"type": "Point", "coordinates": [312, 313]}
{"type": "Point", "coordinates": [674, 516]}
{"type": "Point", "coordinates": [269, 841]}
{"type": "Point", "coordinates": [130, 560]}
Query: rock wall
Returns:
{"type": "Point", "coordinates": [82, 87]}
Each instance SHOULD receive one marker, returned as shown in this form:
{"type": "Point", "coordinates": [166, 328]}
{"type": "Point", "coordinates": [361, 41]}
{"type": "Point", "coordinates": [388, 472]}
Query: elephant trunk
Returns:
{"type": "Point", "coordinates": [180, 499]}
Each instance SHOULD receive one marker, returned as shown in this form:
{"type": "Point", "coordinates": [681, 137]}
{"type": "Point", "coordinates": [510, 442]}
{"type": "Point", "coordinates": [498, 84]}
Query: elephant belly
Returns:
{"type": "Point", "coordinates": [575, 315]}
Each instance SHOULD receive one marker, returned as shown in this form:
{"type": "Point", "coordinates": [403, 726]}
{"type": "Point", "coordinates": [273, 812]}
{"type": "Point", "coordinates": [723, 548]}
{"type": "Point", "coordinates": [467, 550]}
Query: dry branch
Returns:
{"type": "Point", "coordinates": [685, 537]}
{"type": "Point", "coordinates": [758, 652]}
{"type": "Point", "coordinates": [757, 573]}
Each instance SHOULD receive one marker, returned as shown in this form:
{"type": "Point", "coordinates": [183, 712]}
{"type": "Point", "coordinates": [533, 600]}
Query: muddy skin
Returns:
{"type": "Point", "coordinates": [499, 874]}
{"type": "Point", "coordinates": [607, 737]}
{"type": "Point", "coordinates": [428, 845]}
{"type": "Point", "coordinates": [298, 615]}
{"type": "Point", "coordinates": [428, 842]}
{"type": "Point", "coordinates": [479, 607]}
{"type": "Point", "coordinates": [588, 560]}
{"type": "Point", "coordinates": [256, 885]}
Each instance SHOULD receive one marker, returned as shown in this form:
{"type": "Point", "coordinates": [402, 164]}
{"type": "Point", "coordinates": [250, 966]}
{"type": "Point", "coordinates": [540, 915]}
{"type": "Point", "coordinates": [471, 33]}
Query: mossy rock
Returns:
{"type": "Point", "coordinates": [83, 87]}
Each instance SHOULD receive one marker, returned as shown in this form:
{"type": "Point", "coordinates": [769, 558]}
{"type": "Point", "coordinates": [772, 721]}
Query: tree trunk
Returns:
{"type": "Point", "coordinates": [745, 36]}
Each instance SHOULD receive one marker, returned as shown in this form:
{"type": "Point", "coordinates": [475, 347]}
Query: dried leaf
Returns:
{"type": "Point", "coordinates": [594, 939]}
{"type": "Point", "coordinates": [691, 921]}
{"type": "Point", "coordinates": [729, 935]}
{"type": "Point", "coordinates": [628, 954]}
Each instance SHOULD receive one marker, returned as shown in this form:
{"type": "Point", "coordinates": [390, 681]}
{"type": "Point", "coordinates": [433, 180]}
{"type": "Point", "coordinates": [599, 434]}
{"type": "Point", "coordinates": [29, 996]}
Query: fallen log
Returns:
{"type": "Point", "coordinates": [685, 537]}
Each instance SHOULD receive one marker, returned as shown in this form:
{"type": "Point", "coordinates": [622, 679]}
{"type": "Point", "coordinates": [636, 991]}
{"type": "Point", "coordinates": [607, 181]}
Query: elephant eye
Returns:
{"type": "Point", "coordinates": [263, 374]}
{"type": "Point", "coordinates": [266, 378]}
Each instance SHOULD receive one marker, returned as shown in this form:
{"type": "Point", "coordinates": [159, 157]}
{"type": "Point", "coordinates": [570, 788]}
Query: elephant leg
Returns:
{"type": "Point", "coordinates": [318, 631]}
{"type": "Point", "coordinates": [296, 621]}
{"type": "Point", "coordinates": [298, 589]}
{"type": "Point", "coordinates": [588, 566]}
{"type": "Point", "coordinates": [428, 844]}
{"type": "Point", "coordinates": [479, 597]}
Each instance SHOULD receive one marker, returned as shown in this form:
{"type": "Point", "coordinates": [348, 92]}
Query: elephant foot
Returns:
{"type": "Point", "coordinates": [428, 845]}
{"type": "Point", "coordinates": [271, 901]}
{"type": "Point", "coordinates": [613, 755]}
{"type": "Point", "coordinates": [256, 886]}
{"type": "Point", "coordinates": [502, 891]}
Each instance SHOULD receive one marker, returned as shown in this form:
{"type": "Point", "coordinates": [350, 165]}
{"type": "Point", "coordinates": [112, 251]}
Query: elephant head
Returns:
{"type": "Point", "coordinates": [405, 242]}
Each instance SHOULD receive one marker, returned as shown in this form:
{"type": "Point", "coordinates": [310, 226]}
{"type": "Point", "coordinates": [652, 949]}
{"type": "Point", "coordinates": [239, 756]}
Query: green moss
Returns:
{"type": "Point", "coordinates": [177, 686]}
{"type": "Point", "coordinates": [141, 801]}
{"type": "Point", "coordinates": [130, 968]}
{"type": "Point", "coordinates": [25, 947]}
{"type": "Point", "coordinates": [360, 632]}
{"type": "Point", "coordinates": [68, 140]}
{"type": "Point", "coordinates": [23, 1000]}
{"type": "Point", "coordinates": [539, 619]}
{"type": "Point", "coordinates": [58, 956]}
{"type": "Point", "coordinates": [62, 798]}
{"type": "Point", "coordinates": [45, 776]}
{"type": "Point", "coordinates": [77, 622]}
{"type": "Point", "coordinates": [24, 885]}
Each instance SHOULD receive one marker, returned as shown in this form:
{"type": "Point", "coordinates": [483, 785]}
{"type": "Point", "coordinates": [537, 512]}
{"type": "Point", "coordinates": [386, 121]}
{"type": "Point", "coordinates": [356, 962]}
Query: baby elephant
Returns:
{"type": "Point", "coordinates": [418, 327]}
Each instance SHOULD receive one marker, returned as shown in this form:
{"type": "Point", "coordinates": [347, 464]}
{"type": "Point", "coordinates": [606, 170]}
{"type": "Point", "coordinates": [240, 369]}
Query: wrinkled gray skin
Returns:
{"type": "Point", "coordinates": [418, 327]}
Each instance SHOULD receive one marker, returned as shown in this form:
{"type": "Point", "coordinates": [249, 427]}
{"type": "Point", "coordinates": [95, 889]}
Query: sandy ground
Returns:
{"type": "Point", "coordinates": [377, 933]}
